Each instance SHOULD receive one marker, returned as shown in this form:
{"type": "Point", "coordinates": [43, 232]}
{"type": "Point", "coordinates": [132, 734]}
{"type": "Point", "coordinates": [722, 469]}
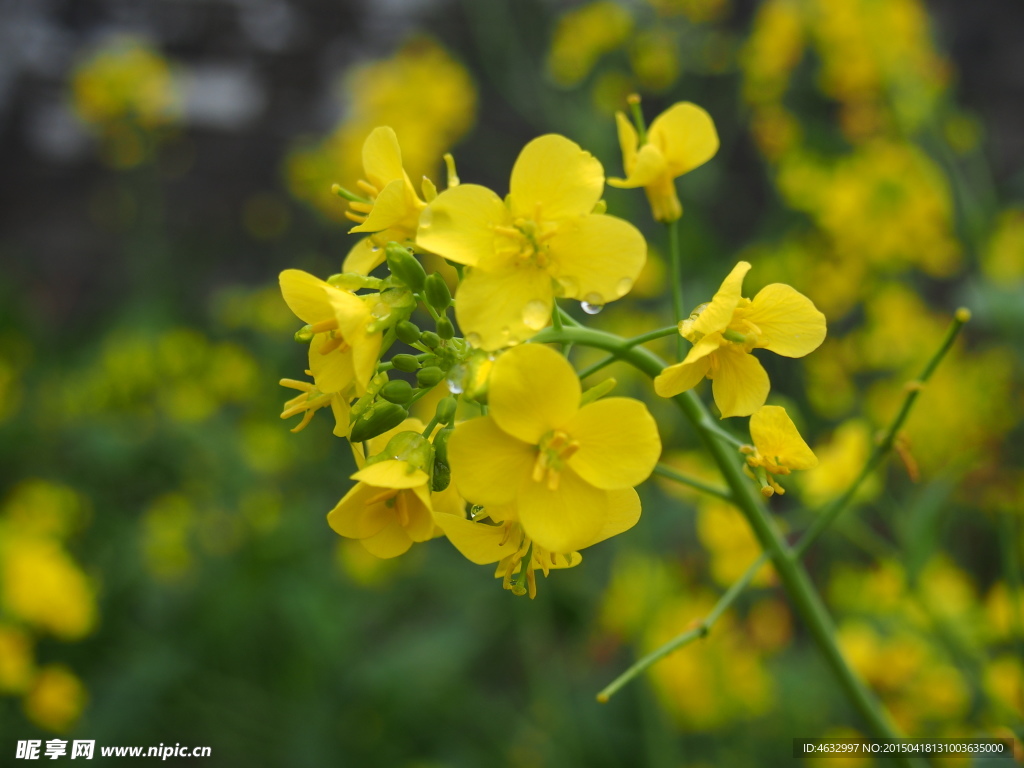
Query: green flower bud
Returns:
{"type": "Point", "coordinates": [407, 363]}
{"type": "Point", "coordinates": [445, 329]}
{"type": "Point", "coordinates": [430, 338]}
{"type": "Point", "coordinates": [377, 420]}
{"type": "Point", "coordinates": [442, 476]}
{"type": "Point", "coordinates": [429, 377]}
{"type": "Point", "coordinates": [405, 266]}
{"type": "Point", "coordinates": [397, 391]}
{"type": "Point", "coordinates": [436, 292]}
{"type": "Point", "coordinates": [446, 410]}
{"type": "Point", "coordinates": [408, 332]}
{"type": "Point", "coordinates": [442, 472]}
{"type": "Point", "coordinates": [304, 334]}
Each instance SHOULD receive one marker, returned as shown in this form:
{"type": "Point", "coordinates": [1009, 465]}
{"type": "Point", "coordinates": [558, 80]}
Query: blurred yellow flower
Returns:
{"type": "Point", "coordinates": [56, 699]}
{"type": "Point", "coordinates": [583, 35]}
{"type": "Point", "coordinates": [543, 240]}
{"type": "Point", "coordinates": [343, 353]}
{"type": "Point", "coordinates": [680, 139]}
{"type": "Point", "coordinates": [16, 663]}
{"type": "Point", "coordinates": [389, 508]}
{"type": "Point", "coordinates": [778, 447]}
{"type": "Point", "coordinates": [557, 461]}
{"type": "Point", "coordinates": [726, 330]}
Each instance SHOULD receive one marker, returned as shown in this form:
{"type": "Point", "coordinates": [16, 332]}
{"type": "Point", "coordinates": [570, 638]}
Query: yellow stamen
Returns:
{"type": "Point", "coordinates": [368, 188]}
{"type": "Point", "coordinates": [360, 207]}
{"type": "Point", "coordinates": [354, 217]}
{"type": "Point", "coordinates": [330, 324]}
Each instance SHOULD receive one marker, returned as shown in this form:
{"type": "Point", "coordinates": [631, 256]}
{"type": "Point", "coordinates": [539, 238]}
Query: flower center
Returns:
{"type": "Point", "coordinates": [554, 450]}
{"type": "Point", "coordinates": [525, 242]}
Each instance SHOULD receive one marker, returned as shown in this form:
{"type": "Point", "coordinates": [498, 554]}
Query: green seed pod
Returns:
{"type": "Point", "coordinates": [429, 377]}
{"type": "Point", "coordinates": [377, 420]}
{"type": "Point", "coordinates": [436, 292]}
{"type": "Point", "coordinates": [446, 410]}
{"type": "Point", "coordinates": [405, 266]}
{"type": "Point", "coordinates": [430, 338]}
{"type": "Point", "coordinates": [407, 363]}
{"type": "Point", "coordinates": [397, 391]}
{"type": "Point", "coordinates": [408, 332]}
{"type": "Point", "coordinates": [445, 329]}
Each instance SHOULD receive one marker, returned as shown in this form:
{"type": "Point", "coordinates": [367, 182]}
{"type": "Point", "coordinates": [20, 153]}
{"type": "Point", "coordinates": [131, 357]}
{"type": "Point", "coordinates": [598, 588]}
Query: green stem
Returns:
{"type": "Point", "coordinates": [702, 628]}
{"type": "Point", "coordinates": [676, 276]}
{"type": "Point", "coordinates": [715, 490]}
{"type": "Point", "coordinates": [635, 341]}
{"type": "Point", "coordinates": [888, 439]}
{"type": "Point", "coordinates": [791, 573]}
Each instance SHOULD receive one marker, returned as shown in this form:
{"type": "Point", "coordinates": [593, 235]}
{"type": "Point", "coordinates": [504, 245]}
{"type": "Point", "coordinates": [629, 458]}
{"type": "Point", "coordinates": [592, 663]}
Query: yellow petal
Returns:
{"type": "Point", "coordinates": [619, 443]}
{"type": "Point", "coordinates": [488, 464]}
{"type": "Point", "coordinates": [628, 141]}
{"type": "Point", "coordinates": [354, 518]}
{"type": "Point", "coordinates": [480, 543]}
{"type": "Point", "coordinates": [776, 437]}
{"type": "Point", "coordinates": [459, 224]}
{"type": "Point", "coordinates": [382, 157]}
{"type": "Point", "coordinates": [395, 206]}
{"type": "Point", "coordinates": [365, 354]}
{"type": "Point", "coordinates": [333, 372]}
{"type": "Point", "coordinates": [717, 315]}
{"type": "Point", "coordinates": [623, 513]}
{"type": "Point", "coordinates": [789, 322]}
{"type": "Point", "coordinates": [364, 257]}
{"type": "Point", "coordinates": [648, 168]}
{"type": "Point", "coordinates": [564, 520]}
{"type": "Point", "coordinates": [704, 347]}
{"type": "Point", "coordinates": [306, 296]}
{"type": "Point", "coordinates": [740, 385]}
{"type": "Point", "coordinates": [680, 377]}
{"type": "Point", "coordinates": [391, 541]}
{"type": "Point", "coordinates": [503, 307]}
{"type": "Point", "coordinates": [686, 135]}
{"type": "Point", "coordinates": [553, 178]}
{"type": "Point", "coordinates": [342, 416]}
{"type": "Point", "coordinates": [421, 518]}
{"type": "Point", "coordinates": [392, 473]}
{"type": "Point", "coordinates": [533, 390]}
{"type": "Point", "coordinates": [600, 255]}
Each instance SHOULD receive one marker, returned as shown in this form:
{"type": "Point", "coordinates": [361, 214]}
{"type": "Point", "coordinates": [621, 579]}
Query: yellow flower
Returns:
{"type": "Point", "coordinates": [557, 461]}
{"type": "Point", "coordinates": [679, 140]}
{"type": "Point", "coordinates": [544, 238]}
{"type": "Point", "coordinates": [56, 700]}
{"type": "Point", "coordinates": [778, 447]}
{"type": "Point", "coordinates": [394, 209]}
{"type": "Point", "coordinates": [343, 354]}
{"type": "Point", "coordinates": [725, 330]}
{"type": "Point", "coordinates": [310, 401]}
{"type": "Point", "coordinates": [496, 536]}
{"type": "Point", "coordinates": [389, 509]}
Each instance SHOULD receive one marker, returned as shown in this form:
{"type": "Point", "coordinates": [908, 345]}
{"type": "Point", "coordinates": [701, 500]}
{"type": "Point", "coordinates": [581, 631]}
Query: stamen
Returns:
{"type": "Point", "coordinates": [354, 217]}
{"type": "Point", "coordinates": [331, 324]}
{"type": "Point", "coordinates": [368, 188]}
{"type": "Point", "coordinates": [360, 207]}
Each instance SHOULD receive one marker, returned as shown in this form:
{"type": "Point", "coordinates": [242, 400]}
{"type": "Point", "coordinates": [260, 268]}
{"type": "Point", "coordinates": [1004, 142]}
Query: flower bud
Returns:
{"type": "Point", "coordinates": [407, 363]}
{"type": "Point", "coordinates": [398, 391]}
{"type": "Point", "coordinates": [436, 292]}
{"type": "Point", "coordinates": [430, 338]}
{"type": "Point", "coordinates": [407, 332]}
{"type": "Point", "coordinates": [405, 266]}
{"type": "Point", "coordinates": [377, 420]}
{"type": "Point", "coordinates": [429, 377]}
{"type": "Point", "coordinates": [442, 472]}
{"type": "Point", "coordinates": [304, 334]}
{"type": "Point", "coordinates": [446, 410]}
{"type": "Point", "coordinates": [445, 329]}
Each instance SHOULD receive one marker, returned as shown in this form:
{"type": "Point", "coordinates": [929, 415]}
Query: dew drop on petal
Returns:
{"type": "Point", "coordinates": [536, 314]}
{"type": "Point", "coordinates": [473, 339]}
{"type": "Point", "coordinates": [380, 310]}
{"type": "Point", "coordinates": [624, 286]}
{"type": "Point", "coordinates": [592, 303]}
{"type": "Point", "coordinates": [454, 380]}
{"type": "Point", "coordinates": [374, 248]}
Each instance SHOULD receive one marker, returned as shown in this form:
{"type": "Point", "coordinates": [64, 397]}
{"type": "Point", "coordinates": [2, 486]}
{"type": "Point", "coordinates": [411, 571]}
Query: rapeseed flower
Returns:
{"type": "Point", "coordinates": [778, 448]}
{"type": "Point", "coordinates": [679, 140]}
{"type": "Point", "coordinates": [343, 353]}
{"type": "Point", "coordinates": [389, 508]}
{"type": "Point", "coordinates": [559, 463]}
{"type": "Point", "coordinates": [726, 330]}
{"type": "Point", "coordinates": [495, 535]}
{"type": "Point", "coordinates": [543, 239]}
{"type": "Point", "coordinates": [393, 210]}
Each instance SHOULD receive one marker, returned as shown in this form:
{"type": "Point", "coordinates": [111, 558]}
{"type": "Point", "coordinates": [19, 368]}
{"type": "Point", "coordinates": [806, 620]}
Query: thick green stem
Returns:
{"type": "Point", "coordinates": [794, 578]}
{"type": "Point", "coordinates": [676, 275]}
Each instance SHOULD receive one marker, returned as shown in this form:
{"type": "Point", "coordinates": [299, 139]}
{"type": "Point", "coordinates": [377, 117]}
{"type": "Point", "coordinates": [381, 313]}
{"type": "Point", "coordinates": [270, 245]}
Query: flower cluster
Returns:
{"type": "Point", "coordinates": [516, 464]}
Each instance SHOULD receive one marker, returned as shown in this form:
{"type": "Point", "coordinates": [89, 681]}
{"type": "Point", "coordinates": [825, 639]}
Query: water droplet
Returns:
{"type": "Point", "coordinates": [454, 380]}
{"type": "Point", "coordinates": [506, 332]}
{"type": "Point", "coordinates": [624, 286]}
{"type": "Point", "coordinates": [568, 285]}
{"type": "Point", "coordinates": [592, 303]}
{"type": "Point", "coordinates": [374, 248]}
{"type": "Point", "coordinates": [473, 339]}
{"type": "Point", "coordinates": [380, 310]}
{"type": "Point", "coordinates": [536, 314]}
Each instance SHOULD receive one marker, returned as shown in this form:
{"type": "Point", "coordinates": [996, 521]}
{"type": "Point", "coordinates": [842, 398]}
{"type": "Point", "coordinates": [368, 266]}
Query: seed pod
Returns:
{"type": "Point", "coordinates": [407, 363]}
{"type": "Point", "coordinates": [429, 377]}
{"type": "Point", "coordinates": [377, 420]}
{"type": "Point", "coordinates": [405, 266]}
{"type": "Point", "coordinates": [398, 391]}
{"type": "Point", "coordinates": [436, 292]}
{"type": "Point", "coordinates": [408, 332]}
